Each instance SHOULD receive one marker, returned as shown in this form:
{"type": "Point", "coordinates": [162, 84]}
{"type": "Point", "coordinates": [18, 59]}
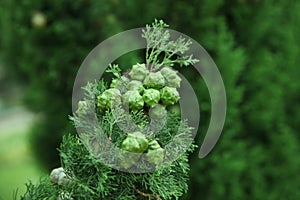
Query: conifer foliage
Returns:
{"type": "Point", "coordinates": [129, 111]}
{"type": "Point", "coordinates": [255, 44]}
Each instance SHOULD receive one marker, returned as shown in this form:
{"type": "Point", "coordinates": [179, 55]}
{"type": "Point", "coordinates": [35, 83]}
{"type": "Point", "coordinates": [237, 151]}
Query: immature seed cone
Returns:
{"type": "Point", "coordinates": [155, 153]}
{"type": "Point", "coordinates": [154, 80]}
{"type": "Point", "coordinates": [134, 100]}
{"type": "Point", "coordinates": [155, 156]}
{"type": "Point", "coordinates": [158, 112]}
{"type": "Point", "coordinates": [151, 96]}
{"type": "Point", "coordinates": [58, 176]}
{"type": "Point", "coordinates": [109, 98]}
{"type": "Point", "coordinates": [135, 142]}
{"type": "Point", "coordinates": [138, 72]}
{"type": "Point", "coordinates": [171, 77]}
{"type": "Point", "coordinates": [169, 95]}
{"type": "Point", "coordinates": [55, 173]}
{"type": "Point", "coordinates": [136, 85]}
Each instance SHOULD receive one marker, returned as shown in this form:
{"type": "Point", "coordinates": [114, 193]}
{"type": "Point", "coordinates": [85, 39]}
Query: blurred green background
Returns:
{"type": "Point", "coordinates": [255, 44]}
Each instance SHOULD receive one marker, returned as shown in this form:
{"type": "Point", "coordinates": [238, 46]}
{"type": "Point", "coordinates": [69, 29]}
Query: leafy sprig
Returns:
{"type": "Point", "coordinates": [114, 69]}
{"type": "Point", "coordinates": [159, 45]}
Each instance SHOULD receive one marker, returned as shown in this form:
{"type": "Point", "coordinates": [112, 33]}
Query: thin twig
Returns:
{"type": "Point", "coordinates": [147, 195]}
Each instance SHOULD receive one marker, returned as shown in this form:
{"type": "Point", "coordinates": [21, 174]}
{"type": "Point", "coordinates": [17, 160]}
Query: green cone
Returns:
{"type": "Point", "coordinates": [136, 85]}
{"type": "Point", "coordinates": [169, 95]}
{"type": "Point", "coordinates": [157, 112]}
{"type": "Point", "coordinates": [135, 142]}
{"type": "Point", "coordinates": [138, 72]}
{"type": "Point", "coordinates": [110, 97]}
{"type": "Point", "coordinates": [155, 153]}
{"type": "Point", "coordinates": [151, 97]}
{"type": "Point", "coordinates": [154, 80]}
{"type": "Point", "coordinates": [171, 77]}
{"type": "Point", "coordinates": [133, 99]}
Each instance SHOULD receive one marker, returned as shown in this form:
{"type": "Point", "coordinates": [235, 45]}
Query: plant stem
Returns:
{"type": "Point", "coordinates": [147, 195]}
